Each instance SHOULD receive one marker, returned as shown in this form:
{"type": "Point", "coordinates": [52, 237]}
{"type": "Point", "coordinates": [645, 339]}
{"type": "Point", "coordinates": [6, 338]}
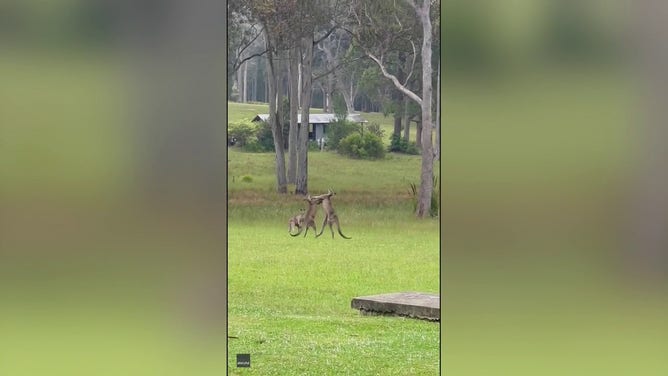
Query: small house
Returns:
{"type": "Point", "coordinates": [317, 123]}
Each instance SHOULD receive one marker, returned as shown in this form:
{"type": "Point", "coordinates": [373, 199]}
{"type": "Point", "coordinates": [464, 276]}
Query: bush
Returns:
{"type": "Point", "coordinates": [368, 146]}
{"type": "Point", "coordinates": [246, 179]}
{"type": "Point", "coordinates": [411, 148]}
{"type": "Point", "coordinates": [375, 128]}
{"type": "Point", "coordinates": [313, 145]}
{"type": "Point", "coordinates": [338, 130]}
{"type": "Point", "coordinates": [265, 139]}
{"type": "Point", "coordinates": [254, 146]}
{"type": "Point", "coordinates": [396, 143]}
{"type": "Point", "coordinates": [242, 131]}
{"type": "Point", "coordinates": [399, 145]}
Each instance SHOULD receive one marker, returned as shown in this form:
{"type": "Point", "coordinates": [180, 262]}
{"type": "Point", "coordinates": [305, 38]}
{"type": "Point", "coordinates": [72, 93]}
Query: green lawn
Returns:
{"type": "Point", "coordinates": [289, 298]}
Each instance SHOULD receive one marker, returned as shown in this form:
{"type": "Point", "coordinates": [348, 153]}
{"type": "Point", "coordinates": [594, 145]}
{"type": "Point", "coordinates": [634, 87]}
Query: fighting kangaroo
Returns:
{"type": "Point", "coordinates": [330, 215]}
{"type": "Point", "coordinates": [296, 222]}
{"type": "Point", "coordinates": [309, 216]}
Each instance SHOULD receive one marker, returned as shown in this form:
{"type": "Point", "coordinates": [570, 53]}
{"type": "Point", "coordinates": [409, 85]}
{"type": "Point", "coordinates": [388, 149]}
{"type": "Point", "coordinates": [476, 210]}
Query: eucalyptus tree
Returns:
{"type": "Point", "coordinates": [341, 67]}
{"type": "Point", "coordinates": [316, 20]}
{"type": "Point", "coordinates": [277, 21]}
{"type": "Point", "coordinates": [378, 25]}
{"type": "Point", "coordinates": [244, 42]}
{"type": "Point", "coordinates": [291, 29]}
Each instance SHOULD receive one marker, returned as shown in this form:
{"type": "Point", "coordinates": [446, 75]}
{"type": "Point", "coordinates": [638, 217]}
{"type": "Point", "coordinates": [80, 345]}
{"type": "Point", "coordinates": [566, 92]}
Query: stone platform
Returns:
{"type": "Point", "coordinates": [412, 304]}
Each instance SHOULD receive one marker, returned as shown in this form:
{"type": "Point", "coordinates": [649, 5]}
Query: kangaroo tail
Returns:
{"type": "Point", "coordinates": [340, 233]}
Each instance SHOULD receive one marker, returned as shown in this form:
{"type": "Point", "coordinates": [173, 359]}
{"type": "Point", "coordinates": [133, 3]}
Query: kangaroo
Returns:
{"type": "Point", "coordinates": [296, 222]}
{"type": "Point", "coordinates": [309, 216]}
{"type": "Point", "coordinates": [330, 215]}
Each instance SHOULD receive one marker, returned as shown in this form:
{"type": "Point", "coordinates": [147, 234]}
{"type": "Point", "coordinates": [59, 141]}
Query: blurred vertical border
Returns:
{"type": "Point", "coordinates": [112, 187]}
{"type": "Point", "coordinates": [555, 217]}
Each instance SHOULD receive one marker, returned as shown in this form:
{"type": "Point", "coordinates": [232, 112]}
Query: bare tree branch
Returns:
{"type": "Point", "coordinates": [247, 45]}
{"type": "Point", "coordinates": [338, 66]}
{"type": "Point", "coordinates": [239, 63]}
{"type": "Point", "coordinates": [329, 32]}
{"type": "Point", "coordinates": [394, 80]}
{"type": "Point", "coordinates": [410, 71]}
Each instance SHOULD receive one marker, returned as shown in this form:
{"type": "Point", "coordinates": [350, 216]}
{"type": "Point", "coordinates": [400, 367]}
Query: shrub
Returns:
{"type": "Point", "coordinates": [313, 145]}
{"type": "Point", "coordinates": [254, 146]}
{"type": "Point", "coordinates": [375, 128]}
{"type": "Point", "coordinates": [399, 145]}
{"type": "Point", "coordinates": [368, 146]}
{"type": "Point", "coordinates": [246, 179]}
{"type": "Point", "coordinates": [338, 130]}
{"type": "Point", "coordinates": [411, 148]}
{"type": "Point", "coordinates": [265, 139]}
{"type": "Point", "coordinates": [242, 131]}
{"type": "Point", "coordinates": [396, 143]}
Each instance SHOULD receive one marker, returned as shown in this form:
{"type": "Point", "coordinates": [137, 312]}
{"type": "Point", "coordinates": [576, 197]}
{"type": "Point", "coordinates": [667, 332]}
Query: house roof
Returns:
{"type": "Point", "coordinates": [317, 118]}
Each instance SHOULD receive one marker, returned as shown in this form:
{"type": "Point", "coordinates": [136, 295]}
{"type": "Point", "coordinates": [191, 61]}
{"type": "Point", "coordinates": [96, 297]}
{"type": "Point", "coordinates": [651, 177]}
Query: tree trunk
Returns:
{"type": "Point", "coordinates": [279, 73]}
{"type": "Point", "coordinates": [325, 99]}
{"type": "Point", "coordinates": [407, 120]}
{"type": "Point", "coordinates": [306, 88]}
{"type": "Point", "coordinates": [437, 151]}
{"type": "Point", "coordinates": [294, 109]}
{"type": "Point", "coordinates": [299, 81]}
{"type": "Point", "coordinates": [346, 86]}
{"type": "Point", "coordinates": [349, 99]}
{"type": "Point", "coordinates": [427, 173]}
{"type": "Point", "coordinates": [276, 131]}
{"type": "Point", "coordinates": [239, 80]}
{"type": "Point", "coordinates": [244, 96]}
{"type": "Point", "coordinates": [258, 80]}
{"type": "Point", "coordinates": [397, 124]}
{"type": "Point", "coordinates": [398, 98]}
{"type": "Point", "coordinates": [418, 133]}
{"type": "Point", "coordinates": [427, 168]}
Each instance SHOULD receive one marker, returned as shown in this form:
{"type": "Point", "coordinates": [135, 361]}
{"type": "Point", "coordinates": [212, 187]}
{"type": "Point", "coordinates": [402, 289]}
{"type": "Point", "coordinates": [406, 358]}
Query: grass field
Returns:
{"type": "Point", "coordinates": [289, 298]}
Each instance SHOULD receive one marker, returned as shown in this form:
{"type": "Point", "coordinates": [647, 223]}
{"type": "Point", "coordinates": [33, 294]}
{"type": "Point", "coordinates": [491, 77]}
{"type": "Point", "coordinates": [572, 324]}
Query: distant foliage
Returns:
{"type": "Point", "coordinates": [399, 145]}
{"type": "Point", "coordinates": [367, 146]}
{"type": "Point", "coordinates": [338, 130]}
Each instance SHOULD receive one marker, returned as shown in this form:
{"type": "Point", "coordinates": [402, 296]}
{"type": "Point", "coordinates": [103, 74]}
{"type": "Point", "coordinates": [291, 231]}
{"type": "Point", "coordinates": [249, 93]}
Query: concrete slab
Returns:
{"type": "Point", "coordinates": [412, 304]}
